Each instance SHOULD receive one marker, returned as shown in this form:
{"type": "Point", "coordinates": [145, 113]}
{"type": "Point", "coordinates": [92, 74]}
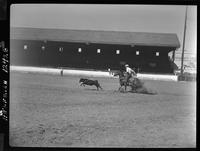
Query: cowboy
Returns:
{"type": "Point", "coordinates": [130, 72]}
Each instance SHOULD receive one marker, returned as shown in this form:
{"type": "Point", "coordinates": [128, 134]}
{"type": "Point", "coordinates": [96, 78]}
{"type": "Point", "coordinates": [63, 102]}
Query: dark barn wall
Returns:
{"type": "Point", "coordinates": [149, 62]}
{"type": "Point", "coordinates": [65, 54]}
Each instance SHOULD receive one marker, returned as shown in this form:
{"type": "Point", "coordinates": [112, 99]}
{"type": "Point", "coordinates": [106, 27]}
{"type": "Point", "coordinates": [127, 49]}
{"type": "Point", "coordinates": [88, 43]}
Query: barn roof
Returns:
{"type": "Point", "coordinates": [92, 36]}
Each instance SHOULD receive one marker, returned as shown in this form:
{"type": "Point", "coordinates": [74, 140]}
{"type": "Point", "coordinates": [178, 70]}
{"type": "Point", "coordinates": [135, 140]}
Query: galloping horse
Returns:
{"type": "Point", "coordinates": [136, 84]}
{"type": "Point", "coordinates": [123, 80]}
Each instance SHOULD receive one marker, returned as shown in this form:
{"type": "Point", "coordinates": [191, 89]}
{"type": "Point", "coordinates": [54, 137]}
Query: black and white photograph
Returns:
{"type": "Point", "coordinates": [103, 75]}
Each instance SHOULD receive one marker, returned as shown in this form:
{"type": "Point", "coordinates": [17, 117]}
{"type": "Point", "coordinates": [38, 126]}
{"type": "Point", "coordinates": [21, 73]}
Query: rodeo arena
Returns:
{"type": "Point", "coordinates": [71, 88]}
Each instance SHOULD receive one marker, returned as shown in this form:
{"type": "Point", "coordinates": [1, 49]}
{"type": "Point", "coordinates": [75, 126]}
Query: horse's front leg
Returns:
{"type": "Point", "coordinates": [125, 87]}
{"type": "Point", "coordinates": [120, 88]}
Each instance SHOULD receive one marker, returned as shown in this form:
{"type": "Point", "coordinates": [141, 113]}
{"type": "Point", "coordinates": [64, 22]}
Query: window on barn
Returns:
{"type": "Point", "coordinates": [137, 52]}
{"type": "Point", "coordinates": [79, 50]}
{"type": "Point", "coordinates": [98, 50]}
{"type": "Point", "coordinates": [61, 49]}
{"type": "Point", "coordinates": [157, 54]}
{"type": "Point", "coordinates": [117, 52]}
{"type": "Point", "coordinates": [43, 47]}
{"type": "Point", "coordinates": [25, 47]}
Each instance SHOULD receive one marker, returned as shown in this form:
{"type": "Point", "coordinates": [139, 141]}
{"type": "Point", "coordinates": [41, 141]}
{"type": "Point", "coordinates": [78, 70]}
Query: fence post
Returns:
{"type": "Point", "coordinates": [61, 72]}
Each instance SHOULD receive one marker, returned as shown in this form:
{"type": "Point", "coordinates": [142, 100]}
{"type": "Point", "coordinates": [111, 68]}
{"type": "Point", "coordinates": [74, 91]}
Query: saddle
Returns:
{"type": "Point", "coordinates": [126, 75]}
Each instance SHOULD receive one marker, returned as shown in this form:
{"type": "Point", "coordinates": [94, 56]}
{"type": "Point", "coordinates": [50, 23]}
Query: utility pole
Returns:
{"type": "Point", "coordinates": [183, 48]}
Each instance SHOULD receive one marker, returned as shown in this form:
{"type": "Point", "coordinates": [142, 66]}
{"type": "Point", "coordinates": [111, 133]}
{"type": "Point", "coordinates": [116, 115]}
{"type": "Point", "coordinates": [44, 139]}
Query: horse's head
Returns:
{"type": "Point", "coordinates": [118, 73]}
{"type": "Point", "coordinates": [115, 74]}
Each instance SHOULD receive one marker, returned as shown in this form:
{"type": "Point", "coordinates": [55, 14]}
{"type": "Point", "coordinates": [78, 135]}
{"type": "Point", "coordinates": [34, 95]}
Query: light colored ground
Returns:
{"type": "Point", "coordinates": [55, 111]}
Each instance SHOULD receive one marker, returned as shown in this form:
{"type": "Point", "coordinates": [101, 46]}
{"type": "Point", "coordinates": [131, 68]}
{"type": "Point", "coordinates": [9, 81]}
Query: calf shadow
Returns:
{"type": "Point", "coordinates": [92, 89]}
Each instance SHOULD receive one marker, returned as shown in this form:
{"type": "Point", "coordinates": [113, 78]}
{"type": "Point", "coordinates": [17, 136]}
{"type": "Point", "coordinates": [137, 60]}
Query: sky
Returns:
{"type": "Point", "coordinates": [107, 17]}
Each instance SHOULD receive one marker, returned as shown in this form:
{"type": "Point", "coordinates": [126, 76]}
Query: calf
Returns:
{"type": "Point", "coordinates": [90, 83]}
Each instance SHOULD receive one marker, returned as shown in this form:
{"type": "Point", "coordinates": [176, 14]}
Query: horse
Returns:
{"type": "Point", "coordinates": [90, 83]}
{"type": "Point", "coordinates": [123, 80]}
{"type": "Point", "coordinates": [137, 86]}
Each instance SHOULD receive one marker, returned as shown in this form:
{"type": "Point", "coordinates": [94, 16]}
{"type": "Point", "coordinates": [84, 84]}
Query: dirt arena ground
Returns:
{"type": "Point", "coordinates": [54, 111]}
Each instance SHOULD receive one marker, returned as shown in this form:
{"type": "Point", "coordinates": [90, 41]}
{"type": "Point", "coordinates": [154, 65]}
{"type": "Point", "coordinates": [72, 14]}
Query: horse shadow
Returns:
{"type": "Point", "coordinates": [144, 91]}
